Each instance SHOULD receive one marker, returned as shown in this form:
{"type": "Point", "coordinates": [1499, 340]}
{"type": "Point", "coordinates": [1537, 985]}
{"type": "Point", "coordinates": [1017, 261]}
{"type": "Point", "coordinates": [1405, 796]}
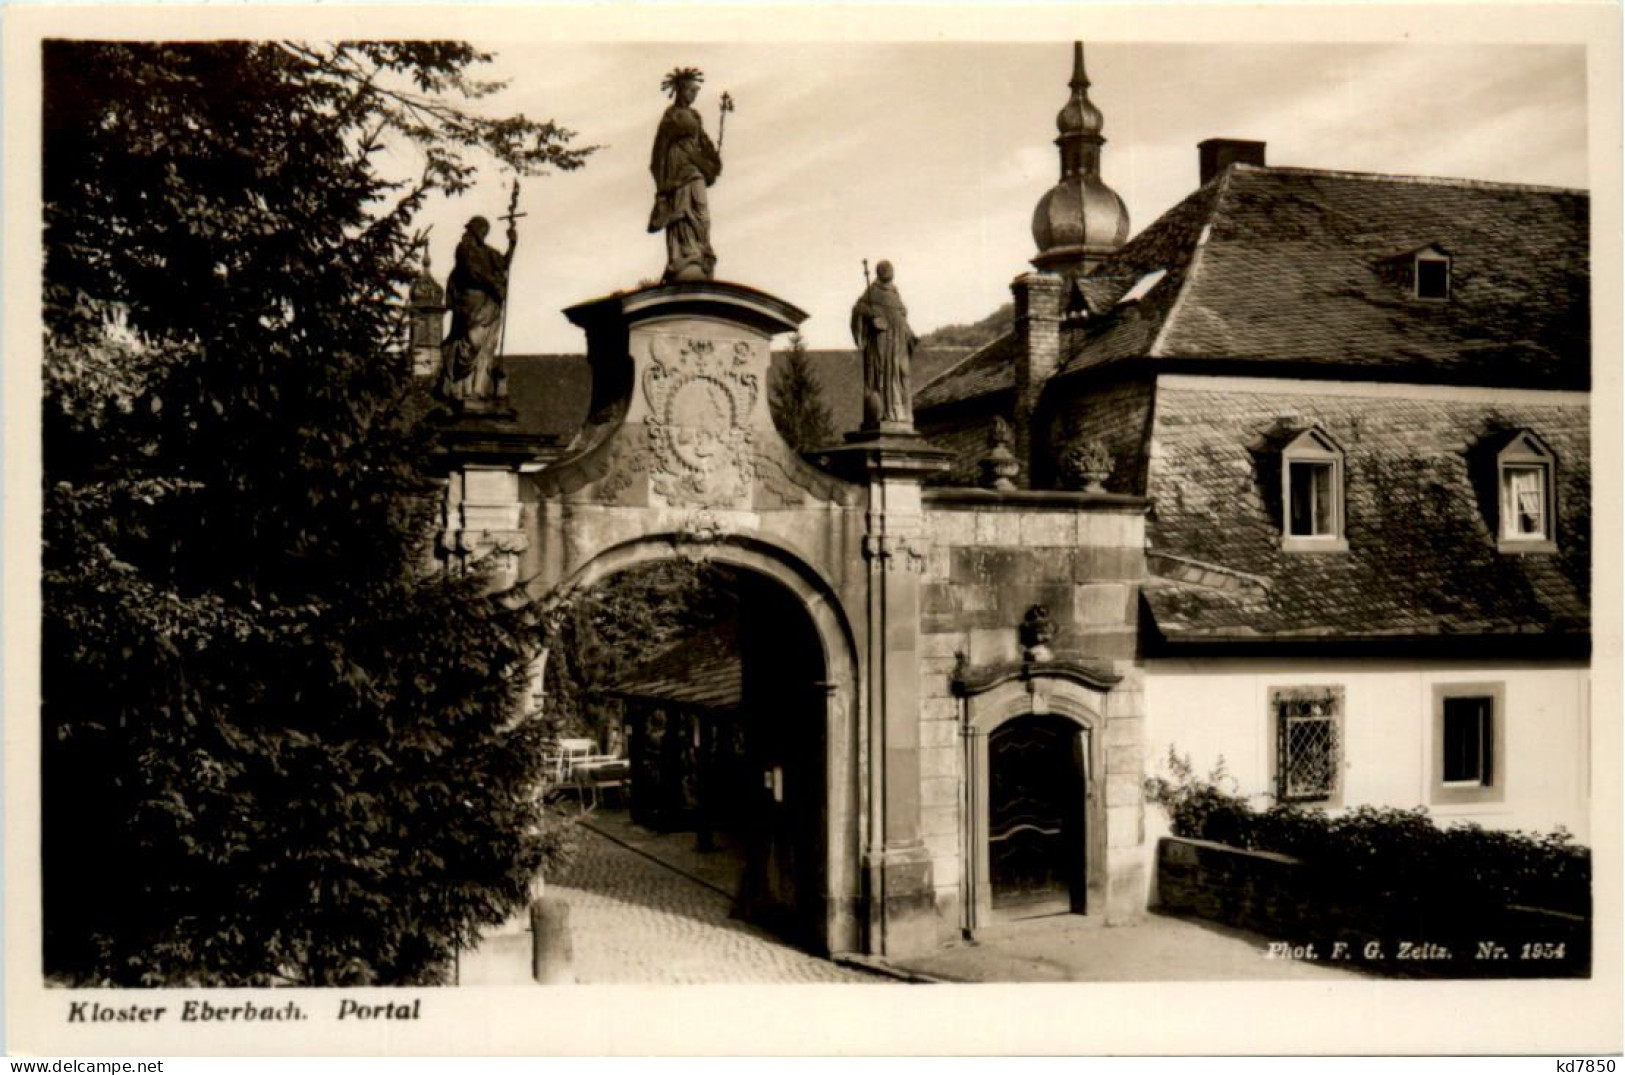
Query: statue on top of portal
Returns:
{"type": "Point", "coordinates": [684, 163]}
{"type": "Point", "coordinates": [880, 329]}
{"type": "Point", "coordinates": [475, 293]}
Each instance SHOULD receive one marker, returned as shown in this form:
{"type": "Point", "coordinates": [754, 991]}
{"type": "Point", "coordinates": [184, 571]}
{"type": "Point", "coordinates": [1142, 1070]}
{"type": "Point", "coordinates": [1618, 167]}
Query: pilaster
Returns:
{"type": "Point", "coordinates": [902, 895]}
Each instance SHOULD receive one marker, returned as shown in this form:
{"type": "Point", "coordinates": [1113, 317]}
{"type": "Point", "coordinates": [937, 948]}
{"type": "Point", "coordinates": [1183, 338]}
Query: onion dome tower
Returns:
{"type": "Point", "coordinates": [426, 305]}
{"type": "Point", "coordinates": [1081, 220]}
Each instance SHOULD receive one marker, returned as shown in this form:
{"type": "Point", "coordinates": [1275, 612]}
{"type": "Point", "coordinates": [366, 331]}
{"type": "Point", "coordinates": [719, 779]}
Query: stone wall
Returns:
{"type": "Point", "coordinates": [993, 556]}
{"type": "Point", "coordinates": [1303, 918]}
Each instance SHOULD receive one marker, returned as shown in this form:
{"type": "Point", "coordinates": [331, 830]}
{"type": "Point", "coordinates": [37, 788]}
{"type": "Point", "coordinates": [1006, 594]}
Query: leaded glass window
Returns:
{"type": "Point", "coordinates": [1309, 749]}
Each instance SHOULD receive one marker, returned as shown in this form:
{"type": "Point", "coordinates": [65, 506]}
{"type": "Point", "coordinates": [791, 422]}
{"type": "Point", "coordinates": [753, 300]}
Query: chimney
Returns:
{"type": "Point", "coordinates": [1217, 154]}
{"type": "Point", "coordinates": [1039, 299]}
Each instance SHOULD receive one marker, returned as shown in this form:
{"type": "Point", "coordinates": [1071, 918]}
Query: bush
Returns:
{"type": "Point", "coordinates": [1398, 856]}
{"type": "Point", "coordinates": [1199, 809]}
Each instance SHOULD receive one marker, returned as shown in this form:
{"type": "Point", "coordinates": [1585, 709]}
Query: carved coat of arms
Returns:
{"type": "Point", "coordinates": [701, 394]}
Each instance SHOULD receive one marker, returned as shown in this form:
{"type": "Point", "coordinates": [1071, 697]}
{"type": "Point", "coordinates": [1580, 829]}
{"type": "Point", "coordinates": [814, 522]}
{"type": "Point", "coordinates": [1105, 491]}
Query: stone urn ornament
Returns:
{"type": "Point", "coordinates": [999, 465]}
{"type": "Point", "coordinates": [1086, 465]}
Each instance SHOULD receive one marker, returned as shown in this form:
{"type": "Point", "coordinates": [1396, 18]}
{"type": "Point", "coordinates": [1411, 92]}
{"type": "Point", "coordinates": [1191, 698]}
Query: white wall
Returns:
{"type": "Point", "coordinates": [1211, 707]}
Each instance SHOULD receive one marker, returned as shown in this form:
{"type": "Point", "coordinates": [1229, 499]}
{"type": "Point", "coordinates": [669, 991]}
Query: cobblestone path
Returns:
{"type": "Point", "coordinates": [634, 921]}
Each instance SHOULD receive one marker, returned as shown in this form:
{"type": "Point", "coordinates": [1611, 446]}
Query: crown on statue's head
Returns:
{"type": "Point", "coordinates": [679, 76]}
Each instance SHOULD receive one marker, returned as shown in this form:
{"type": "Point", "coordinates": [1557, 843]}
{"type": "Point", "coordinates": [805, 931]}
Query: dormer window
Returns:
{"type": "Point", "coordinates": [1432, 274]}
{"type": "Point", "coordinates": [1524, 472]}
{"type": "Point", "coordinates": [1312, 494]}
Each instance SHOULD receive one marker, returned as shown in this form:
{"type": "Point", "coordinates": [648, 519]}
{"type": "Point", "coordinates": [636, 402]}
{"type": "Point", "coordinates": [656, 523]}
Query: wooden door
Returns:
{"type": "Point", "coordinates": [1036, 809]}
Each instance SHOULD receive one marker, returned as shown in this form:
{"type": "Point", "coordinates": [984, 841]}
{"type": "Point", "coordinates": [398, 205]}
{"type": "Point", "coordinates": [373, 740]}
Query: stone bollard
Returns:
{"type": "Point", "coordinates": [550, 954]}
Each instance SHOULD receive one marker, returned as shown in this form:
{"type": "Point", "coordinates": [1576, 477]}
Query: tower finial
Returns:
{"type": "Point", "coordinates": [1080, 116]}
{"type": "Point", "coordinates": [1081, 219]}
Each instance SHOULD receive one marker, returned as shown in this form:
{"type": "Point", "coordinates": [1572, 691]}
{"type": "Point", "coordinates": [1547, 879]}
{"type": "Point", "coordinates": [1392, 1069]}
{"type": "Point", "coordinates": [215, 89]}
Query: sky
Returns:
{"type": "Point", "coordinates": [933, 155]}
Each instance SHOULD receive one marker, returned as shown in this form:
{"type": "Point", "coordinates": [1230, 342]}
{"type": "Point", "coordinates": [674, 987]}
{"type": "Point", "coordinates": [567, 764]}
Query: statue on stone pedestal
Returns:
{"type": "Point", "coordinates": [684, 163]}
{"type": "Point", "coordinates": [475, 294]}
{"type": "Point", "coordinates": [880, 329]}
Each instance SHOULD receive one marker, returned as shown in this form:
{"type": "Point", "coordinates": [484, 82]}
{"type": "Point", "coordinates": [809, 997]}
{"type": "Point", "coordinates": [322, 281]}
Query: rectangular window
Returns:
{"type": "Point", "coordinates": [1308, 743]}
{"type": "Point", "coordinates": [1469, 740]}
{"type": "Point", "coordinates": [1314, 507]}
{"type": "Point", "coordinates": [1469, 733]}
{"type": "Point", "coordinates": [1523, 502]}
{"type": "Point", "coordinates": [1432, 278]}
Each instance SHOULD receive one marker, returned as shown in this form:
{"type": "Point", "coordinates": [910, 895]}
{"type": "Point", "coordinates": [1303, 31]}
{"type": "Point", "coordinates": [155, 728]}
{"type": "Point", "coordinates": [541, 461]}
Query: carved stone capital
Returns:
{"type": "Point", "coordinates": [482, 542]}
{"type": "Point", "coordinates": [896, 552]}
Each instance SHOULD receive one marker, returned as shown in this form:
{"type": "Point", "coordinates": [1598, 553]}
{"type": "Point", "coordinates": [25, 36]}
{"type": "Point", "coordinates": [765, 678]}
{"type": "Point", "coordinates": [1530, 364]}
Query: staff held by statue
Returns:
{"type": "Point", "coordinates": [726, 106]}
{"type": "Point", "coordinates": [512, 217]}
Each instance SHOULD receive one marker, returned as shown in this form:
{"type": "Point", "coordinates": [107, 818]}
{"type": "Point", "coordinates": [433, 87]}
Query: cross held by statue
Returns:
{"type": "Point", "coordinates": [513, 213]}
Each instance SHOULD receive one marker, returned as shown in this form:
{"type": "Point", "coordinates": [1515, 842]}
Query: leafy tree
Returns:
{"type": "Point", "coordinates": [601, 634]}
{"type": "Point", "coordinates": [797, 402]}
{"type": "Point", "coordinates": [277, 745]}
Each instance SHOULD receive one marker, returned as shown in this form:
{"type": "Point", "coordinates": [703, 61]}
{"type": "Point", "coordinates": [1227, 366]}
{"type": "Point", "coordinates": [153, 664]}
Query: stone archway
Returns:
{"type": "Point", "coordinates": [831, 919]}
{"type": "Point", "coordinates": [679, 456]}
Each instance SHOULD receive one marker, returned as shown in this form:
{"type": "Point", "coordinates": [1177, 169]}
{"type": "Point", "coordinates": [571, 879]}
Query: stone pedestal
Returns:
{"type": "Point", "coordinates": [892, 467]}
{"type": "Point", "coordinates": [483, 519]}
{"type": "Point", "coordinates": [689, 363]}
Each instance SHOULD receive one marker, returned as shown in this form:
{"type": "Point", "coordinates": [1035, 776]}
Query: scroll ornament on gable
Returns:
{"type": "Point", "coordinates": [701, 395]}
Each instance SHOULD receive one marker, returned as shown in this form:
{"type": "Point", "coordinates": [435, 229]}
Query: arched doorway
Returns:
{"type": "Point", "coordinates": [1035, 833]}
{"type": "Point", "coordinates": [1037, 822]}
{"type": "Point", "coordinates": [769, 771]}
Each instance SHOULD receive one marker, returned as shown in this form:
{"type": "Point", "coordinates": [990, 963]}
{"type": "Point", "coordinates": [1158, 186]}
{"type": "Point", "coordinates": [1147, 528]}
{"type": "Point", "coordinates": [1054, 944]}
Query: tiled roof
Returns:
{"type": "Point", "coordinates": [550, 392]}
{"type": "Point", "coordinates": [989, 369]}
{"type": "Point", "coordinates": [702, 669]}
{"type": "Point", "coordinates": [932, 362]}
{"type": "Point", "coordinates": [1421, 560]}
{"type": "Point", "coordinates": [1290, 266]}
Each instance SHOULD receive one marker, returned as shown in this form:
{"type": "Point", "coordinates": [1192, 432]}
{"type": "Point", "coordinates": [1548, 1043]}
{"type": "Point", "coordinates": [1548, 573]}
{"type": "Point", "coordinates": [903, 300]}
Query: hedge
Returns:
{"type": "Point", "coordinates": [1394, 855]}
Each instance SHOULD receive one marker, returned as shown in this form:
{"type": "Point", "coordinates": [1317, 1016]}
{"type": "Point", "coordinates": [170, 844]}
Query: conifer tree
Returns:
{"type": "Point", "coordinates": [797, 402]}
{"type": "Point", "coordinates": [278, 745]}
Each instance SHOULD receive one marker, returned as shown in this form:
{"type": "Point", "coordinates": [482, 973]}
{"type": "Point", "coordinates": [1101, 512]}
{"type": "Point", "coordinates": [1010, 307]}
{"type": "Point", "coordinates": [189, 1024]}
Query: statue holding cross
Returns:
{"type": "Point", "coordinates": [477, 294]}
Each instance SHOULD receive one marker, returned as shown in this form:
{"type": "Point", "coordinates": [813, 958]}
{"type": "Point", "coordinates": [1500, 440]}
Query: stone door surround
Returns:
{"type": "Point", "coordinates": [991, 696]}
